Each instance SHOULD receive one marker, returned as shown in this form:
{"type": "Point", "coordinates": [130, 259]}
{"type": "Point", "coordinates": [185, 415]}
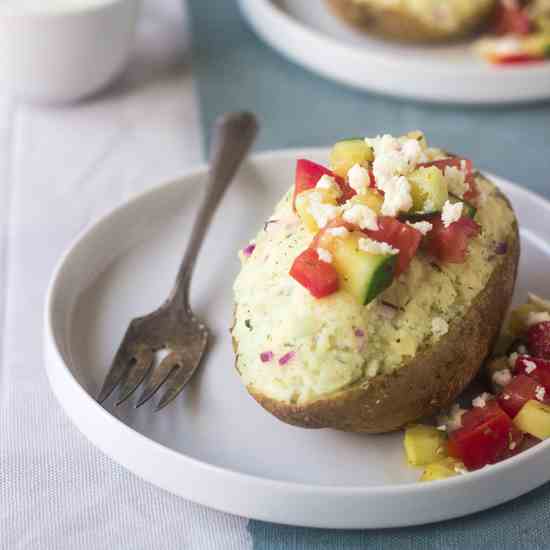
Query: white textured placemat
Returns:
{"type": "Point", "coordinates": [60, 168]}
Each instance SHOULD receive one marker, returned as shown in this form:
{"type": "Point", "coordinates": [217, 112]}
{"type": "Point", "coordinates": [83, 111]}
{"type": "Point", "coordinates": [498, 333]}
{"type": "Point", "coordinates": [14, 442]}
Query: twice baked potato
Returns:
{"type": "Point", "coordinates": [377, 305]}
{"type": "Point", "coordinates": [415, 20]}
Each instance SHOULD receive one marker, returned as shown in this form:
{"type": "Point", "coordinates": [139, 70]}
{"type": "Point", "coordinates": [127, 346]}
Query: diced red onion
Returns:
{"type": "Point", "coordinates": [501, 248]}
{"type": "Point", "coordinates": [247, 251]}
{"type": "Point", "coordinates": [359, 333]}
{"type": "Point", "coordinates": [287, 357]}
{"type": "Point", "coordinates": [266, 356]}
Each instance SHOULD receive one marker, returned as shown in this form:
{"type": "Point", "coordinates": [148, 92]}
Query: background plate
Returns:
{"type": "Point", "coordinates": [309, 34]}
{"type": "Point", "coordinates": [214, 445]}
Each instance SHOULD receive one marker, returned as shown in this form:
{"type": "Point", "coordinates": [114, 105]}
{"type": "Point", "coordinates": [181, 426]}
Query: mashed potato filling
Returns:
{"type": "Point", "coordinates": [293, 347]}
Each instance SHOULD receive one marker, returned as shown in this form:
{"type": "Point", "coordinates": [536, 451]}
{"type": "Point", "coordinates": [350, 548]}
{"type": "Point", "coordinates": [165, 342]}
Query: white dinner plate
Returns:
{"type": "Point", "coordinates": [214, 445]}
{"type": "Point", "coordinates": [309, 34]}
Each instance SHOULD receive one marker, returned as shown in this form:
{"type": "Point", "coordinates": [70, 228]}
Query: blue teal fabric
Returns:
{"type": "Point", "coordinates": [235, 70]}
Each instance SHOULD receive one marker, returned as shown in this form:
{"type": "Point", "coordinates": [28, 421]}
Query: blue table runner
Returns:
{"type": "Point", "coordinates": [235, 70]}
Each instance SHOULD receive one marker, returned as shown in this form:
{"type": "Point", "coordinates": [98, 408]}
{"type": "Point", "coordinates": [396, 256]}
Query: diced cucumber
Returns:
{"type": "Point", "coordinates": [428, 190]}
{"type": "Point", "coordinates": [448, 467]}
{"type": "Point", "coordinates": [424, 445]}
{"type": "Point", "coordinates": [468, 209]}
{"type": "Point", "coordinates": [348, 152]}
{"type": "Point", "coordinates": [362, 274]}
{"type": "Point", "coordinates": [534, 418]}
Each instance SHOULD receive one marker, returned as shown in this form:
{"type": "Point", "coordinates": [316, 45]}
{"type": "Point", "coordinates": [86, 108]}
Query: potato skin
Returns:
{"type": "Point", "coordinates": [396, 25]}
{"type": "Point", "coordinates": [432, 380]}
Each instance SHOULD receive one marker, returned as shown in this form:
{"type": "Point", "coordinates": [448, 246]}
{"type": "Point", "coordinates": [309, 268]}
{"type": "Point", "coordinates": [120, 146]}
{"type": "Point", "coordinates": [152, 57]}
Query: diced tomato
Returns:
{"type": "Point", "coordinates": [483, 438]}
{"type": "Point", "coordinates": [320, 278]}
{"type": "Point", "coordinates": [399, 235]}
{"type": "Point", "coordinates": [541, 373]}
{"type": "Point", "coordinates": [450, 244]}
{"type": "Point", "coordinates": [511, 18]}
{"type": "Point", "coordinates": [520, 390]}
{"type": "Point", "coordinates": [538, 340]}
{"type": "Point", "coordinates": [308, 173]}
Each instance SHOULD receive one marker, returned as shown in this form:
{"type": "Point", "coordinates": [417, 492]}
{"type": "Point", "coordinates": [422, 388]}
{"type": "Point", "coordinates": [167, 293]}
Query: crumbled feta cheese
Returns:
{"type": "Point", "coordinates": [324, 255]}
{"type": "Point", "coordinates": [359, 179]}
{"type": "Point", "coordinates": [423, 227]}
{"type": "Point", "coordinates": [540, 392]}
{"type": "Point", "coordinates": [529, 366]}
{"type": "Point", "coordinates": [502, 377]}
{"type": "Point", "coordinates": [440, 327]}
{"type": "Point", "coordinates": [322, 213]}
{"type": "Point", "coordinates": [451, 212]}
{"type": "Point", "coordinates": [481, 400]}
{"type": "Point", "coordinates": [454, 419]}
{"type": "Point", "coordinates": [376, 247]}
{"type": "Point", "coordinates": [412, 151]}
{"type": "Point", "coordinates": [338, 232]}
{"type": "Point", "coordinates": [388, 159]}
{"type": "Point", "coordinates": [536, 317]}
{"type": "Point", "coordinates": [394, 157]}
{"type": "Point", "coordinates": [361, 215]}
{"type": "Point", "coordinates": [512, 359]}
{"type": "Point", "coordinates": [328, 183]}
{"type": "Point", "coordinates": [442, 428]}
{"type": "Point", "coordinates": [397, 196]}
{"type": "Point", "coordinates": [456, 181]}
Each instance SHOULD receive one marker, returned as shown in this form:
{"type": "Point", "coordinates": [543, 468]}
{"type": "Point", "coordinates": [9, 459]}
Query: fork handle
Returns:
{"type": "Point", "coordinates": [233, 136]}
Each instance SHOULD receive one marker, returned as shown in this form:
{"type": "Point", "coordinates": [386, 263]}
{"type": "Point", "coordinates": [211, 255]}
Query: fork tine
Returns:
{"type": "Point", "coordinates": [143, 360]}
{"type": "Point", "coordinates": [176, 383]}
{"type": "Point", "coordinates": [118, 371]}
{"type": "Point", "coordinates": [170, 363]}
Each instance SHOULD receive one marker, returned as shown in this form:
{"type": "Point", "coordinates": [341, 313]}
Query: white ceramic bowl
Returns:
{"type": "Point", "coordinates": [60, 51]}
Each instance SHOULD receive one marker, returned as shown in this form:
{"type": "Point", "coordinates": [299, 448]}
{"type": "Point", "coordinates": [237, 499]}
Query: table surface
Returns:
{"type": "Point", "coordinates": [61, 168]}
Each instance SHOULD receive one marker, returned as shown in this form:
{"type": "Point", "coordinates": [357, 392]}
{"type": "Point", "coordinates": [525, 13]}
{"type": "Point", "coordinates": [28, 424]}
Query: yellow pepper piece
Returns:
{"type": "Point", "coordinates": [424, 445]}
{"type": "Point", "coordinates": [448, 467]}
{"type": "Point", "coordinates": [534, 418]}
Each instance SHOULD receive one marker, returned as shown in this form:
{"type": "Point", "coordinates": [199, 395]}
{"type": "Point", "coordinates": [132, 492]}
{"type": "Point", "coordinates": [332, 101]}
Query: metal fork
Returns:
{"type": "Point", "coordinates": [173, 327]}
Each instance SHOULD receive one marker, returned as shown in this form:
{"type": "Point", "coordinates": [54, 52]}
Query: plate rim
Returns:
{"type": "Point", "coordinates": [56, 366]}
{"type": "Point", "coordinates": [256, 10]}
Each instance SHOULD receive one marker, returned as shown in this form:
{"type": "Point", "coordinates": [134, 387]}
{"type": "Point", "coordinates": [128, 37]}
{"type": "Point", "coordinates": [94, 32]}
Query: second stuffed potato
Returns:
{"type": "Point", "coordinates": [415, 20]}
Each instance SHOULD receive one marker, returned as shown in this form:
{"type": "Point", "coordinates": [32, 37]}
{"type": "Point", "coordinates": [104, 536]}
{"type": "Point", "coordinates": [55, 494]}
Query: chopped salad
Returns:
{"type": "Point", "coordinates": [512, 417]}
{"type": "Point", "coordinates": [519, 33]}
{"type": "Point", "coordinates": [381, 201]}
